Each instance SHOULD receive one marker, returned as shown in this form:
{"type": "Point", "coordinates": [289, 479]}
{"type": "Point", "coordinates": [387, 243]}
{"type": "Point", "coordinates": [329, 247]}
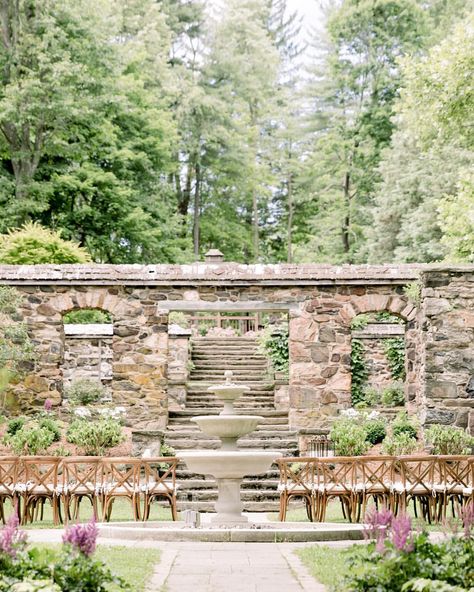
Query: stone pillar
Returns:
{"type": "Point", "coordinates": [178, 366]}
{"type": "Point", "coordinates": [140, 345]}
{"type": "Point", "coordinates": [448, 341]}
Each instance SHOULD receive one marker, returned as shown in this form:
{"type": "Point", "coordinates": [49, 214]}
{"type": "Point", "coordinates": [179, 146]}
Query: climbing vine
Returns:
{"type": "Point", "coordinates": [274, 343]}
{"type": "Point", "coordinates": [360, 373]}
{"type": "Point", "coordinates": [395, 352]}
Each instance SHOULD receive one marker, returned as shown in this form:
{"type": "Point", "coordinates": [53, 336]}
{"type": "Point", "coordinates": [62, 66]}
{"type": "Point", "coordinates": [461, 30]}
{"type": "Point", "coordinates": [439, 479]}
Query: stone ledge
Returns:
{"type": "Point", "coordinates": [196, 273]}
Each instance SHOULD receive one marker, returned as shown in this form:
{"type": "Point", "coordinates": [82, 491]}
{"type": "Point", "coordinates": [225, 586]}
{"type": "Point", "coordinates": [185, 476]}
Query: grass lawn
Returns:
{"type": "Point", "coordinates": [133, 565]}
{"type": "Point", "coordinates": [334, 514]}
{"type": "Point", "coordinates": [122, 512]}
{"type": "Point", "coordinates": [326, 564]}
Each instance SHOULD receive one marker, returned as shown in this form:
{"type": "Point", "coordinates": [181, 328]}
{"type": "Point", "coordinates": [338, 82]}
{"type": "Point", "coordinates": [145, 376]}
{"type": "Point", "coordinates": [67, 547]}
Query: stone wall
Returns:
{"type": "Point", "coordinates": [373, 338]}
{"type": "Point", "coordinates": [88, 353]}
{"type": "Point", "coordinates": [321, 301]}
{"type": "Point", "coordinates": [448, 346]}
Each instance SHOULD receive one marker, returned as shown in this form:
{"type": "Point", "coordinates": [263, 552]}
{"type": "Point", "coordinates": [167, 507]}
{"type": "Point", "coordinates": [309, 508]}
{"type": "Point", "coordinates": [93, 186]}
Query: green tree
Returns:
{"type": "Point", "coordinates": [34, 245]}
{"type": "Point", "coordinates": [355, 90]}
{"type": "Point", "coordinates": [425, 192]}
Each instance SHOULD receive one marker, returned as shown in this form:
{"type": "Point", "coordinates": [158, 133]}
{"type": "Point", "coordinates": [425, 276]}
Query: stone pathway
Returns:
{"type": "Point", "coordinates": [218, 567]}
{"type": "Point", "coordinates": [232, 567]}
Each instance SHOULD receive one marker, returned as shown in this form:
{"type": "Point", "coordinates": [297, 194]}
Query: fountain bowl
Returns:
{"type": "Point", "coordinates": [227, 426]}
{"type": "Point", "coordinates": [229, 464]}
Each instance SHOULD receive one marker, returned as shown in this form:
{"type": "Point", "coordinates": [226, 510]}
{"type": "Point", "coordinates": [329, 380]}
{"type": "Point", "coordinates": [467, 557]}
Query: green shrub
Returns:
{"type": "Point", "coordinates": [376, 430]}
{"type": "Point", "coordinates": [349, 438]}
{"type": "Point", "coordinates": [401, 444]}
{"type": "Point", "coordinates": [393, 395]}
{"type": "Point", "coordinates": [85, 391]}
{"type": "Point", "coordinates": [444, 563]}
{"type": "Point", "coordinates": [32, 245]}
{"type": "Point", "coordinates": [95, 438]}
{"type": "Point", "coordinates": [179, 318]}
{"type": "Point", "coordinates": [449, 440]}
{"type": "Point", "coordinates": [84, 316]}
{"type": "Point", "coordinates": [30, 439]}
{"type": "Point", "coordinates": [371, 396]}
{"type": "Point", "coordinates": [15, 424]}
{"type": "Point", "coordinates": [274, 343]}
{"type": "Point", "coordinates": [52, 425]}
{"type": "Point", "coordinates": [402, 424]}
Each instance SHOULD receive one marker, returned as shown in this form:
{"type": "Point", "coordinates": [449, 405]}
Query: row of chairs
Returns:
{"type": "Point", "coordinates": [30, 481]}
{"type": "Point", "coordinates": [430, 482]}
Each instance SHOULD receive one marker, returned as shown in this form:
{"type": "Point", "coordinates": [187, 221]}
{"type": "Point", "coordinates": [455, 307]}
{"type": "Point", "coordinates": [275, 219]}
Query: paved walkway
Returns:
{"type": "Point", "coordinates": [218, 567]}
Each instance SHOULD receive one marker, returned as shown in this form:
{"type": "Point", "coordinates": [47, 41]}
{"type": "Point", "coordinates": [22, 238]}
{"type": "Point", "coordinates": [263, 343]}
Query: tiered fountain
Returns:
{"type": "Point", "coordinates": [228, 464]}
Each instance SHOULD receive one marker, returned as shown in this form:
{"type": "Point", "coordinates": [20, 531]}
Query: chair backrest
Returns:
{"type": "Point", "coordinates": [9, 466]}
{"type": "Point", "coordinates": [82, 474]}
{"type": "Point", "coordinates": [454, 472]}
{"type": "Point", "coordinates": [417, 473]}
{"type": "Point", "coordinates": [297, 473]}
{"type": "Point", "coordinates": [159, 474]}
{"type": "Point", "coordinates": [336, 474]}
{"type": "Point", "coordinates": [121, 475]}
{"type": "Point", "coordinates": [374, 472]}
{"type": "Point", "coordinates": [41, 473]}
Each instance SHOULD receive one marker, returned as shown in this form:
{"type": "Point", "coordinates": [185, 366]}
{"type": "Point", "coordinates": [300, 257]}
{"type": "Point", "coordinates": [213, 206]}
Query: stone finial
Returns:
{"type": "Point", "coordinates": [214, 256]}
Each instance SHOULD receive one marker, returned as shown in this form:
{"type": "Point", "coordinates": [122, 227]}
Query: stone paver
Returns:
{"type": "Point", "coordinates": [218, 567]}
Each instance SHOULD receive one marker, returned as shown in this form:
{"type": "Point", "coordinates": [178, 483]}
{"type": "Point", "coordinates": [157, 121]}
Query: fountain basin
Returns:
{"type": "Point", "coordinates": [227, 426]}
{"type": "Point", "coordinates": [229, 464]}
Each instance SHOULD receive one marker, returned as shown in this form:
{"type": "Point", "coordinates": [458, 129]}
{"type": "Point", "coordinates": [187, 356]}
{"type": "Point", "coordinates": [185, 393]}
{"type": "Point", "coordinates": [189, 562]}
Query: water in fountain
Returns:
{"type": "Point", "coordinates": [228, 464]}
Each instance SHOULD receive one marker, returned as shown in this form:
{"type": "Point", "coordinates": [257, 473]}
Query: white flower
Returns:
{"type": "Point", "coordinates": [373, 415]}
{"type": "Point", "coordinates": [120, 409]}
{"type": "Point", "coordinates": [82, 412]}
{"type": "Point", "coordinates": [350, 413]}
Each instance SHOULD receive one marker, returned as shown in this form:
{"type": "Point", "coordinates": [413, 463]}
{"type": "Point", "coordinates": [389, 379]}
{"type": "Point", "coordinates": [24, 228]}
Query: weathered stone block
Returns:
{"type": "Point", "coordinates": [436, 306]}
{"type": "Point", "coordinates": [319, 353]}
{"type": "Point", "coordinates": [442, 416]}
{"type": "Point", "coordinates": [327, 334]}
{"type": "Point", "coordinates": [441, 389]}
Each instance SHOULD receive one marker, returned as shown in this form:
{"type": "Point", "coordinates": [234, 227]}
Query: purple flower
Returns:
{"type": "Point", "coordinates": [467, 517]}
{"type": "Point", "coordinates": [82, 537]}
{"type": "Point", "coordinates": [401, 533]}
{"type": "Point", "coordinates": [11, 537]}
{"type": "Point", "coordinates": [48, 405]}
{"type": "Point", "coordinates": [376, 525]}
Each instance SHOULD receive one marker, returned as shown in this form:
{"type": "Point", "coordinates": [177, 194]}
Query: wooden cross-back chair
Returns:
{"type": "Point", "coordinates": [452, 480]}
{"type": "Point", "coordinates": [159, 483]}
{"type": "Point", "coordinates": [121, 479]}
{"type": "Point", "coordinates": [373, 476]}
{"type": "Point", "coordinates": [8, 479]}
{"type": "Point", "coordinates": [81, 479]}
{"type": "Point", "coordinates": [415, 483]}
{"type": "Point", "coordinates": [335, 479]}
{"type": "Point", "coordinates": [40, 484]}
{"type": "Point", "coordinates": [296, 480]}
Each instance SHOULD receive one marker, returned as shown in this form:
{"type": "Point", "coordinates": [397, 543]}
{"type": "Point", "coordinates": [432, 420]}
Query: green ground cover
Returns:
{"type": "Point", "coordinates": [135, 566]}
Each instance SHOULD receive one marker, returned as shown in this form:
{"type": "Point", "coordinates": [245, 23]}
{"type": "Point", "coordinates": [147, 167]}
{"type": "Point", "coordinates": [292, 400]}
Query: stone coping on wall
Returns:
{"type": "Point", "coordinates": [210, 273]}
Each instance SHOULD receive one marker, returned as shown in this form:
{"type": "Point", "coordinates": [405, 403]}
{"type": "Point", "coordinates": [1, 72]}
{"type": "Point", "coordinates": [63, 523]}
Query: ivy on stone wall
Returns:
{"type": "Point", "coordinates": [274, 343]}
{"type": "Point", "coordinates": [395, 352]}
{"type": "Point", "coordinates": [360, 373]}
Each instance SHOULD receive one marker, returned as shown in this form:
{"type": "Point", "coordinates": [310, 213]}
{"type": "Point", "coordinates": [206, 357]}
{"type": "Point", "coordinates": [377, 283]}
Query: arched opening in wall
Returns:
{"type": "Point", "coordinates": [88, 349]}
{"type": "Point", "coordinates": [378, 360]}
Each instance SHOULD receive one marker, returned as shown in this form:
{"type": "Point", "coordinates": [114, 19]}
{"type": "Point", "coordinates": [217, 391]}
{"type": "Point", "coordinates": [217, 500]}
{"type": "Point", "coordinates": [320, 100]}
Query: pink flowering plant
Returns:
{"type": "Point", "coordinates": [73, 569]}
{"type": "Point", "coordinates": [397, 559]}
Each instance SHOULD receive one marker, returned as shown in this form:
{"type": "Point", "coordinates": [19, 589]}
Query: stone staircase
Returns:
{"type": "Point", "coordinates": [211, 358]}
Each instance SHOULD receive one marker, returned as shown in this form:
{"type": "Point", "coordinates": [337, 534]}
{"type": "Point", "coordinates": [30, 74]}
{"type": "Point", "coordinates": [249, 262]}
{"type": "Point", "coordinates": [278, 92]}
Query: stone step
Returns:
{"type": "Point", "coordinates": [255, 387]}
{"type": "Point", "coordinates": [183, 474]}
{"type": "Point", "coordinates": [227, 356]}
{"type": "Point", "coordinates": [243, 411]}
{"type": "Point", "coordinates": [205, 507]}
{"type": "Point", "coordinates": [250, 495]}
{"type": "Point", "coordinates": [214, 444]}
{"type": "Point", "coordinates": [222, 341]}
{"type": "Point", "coordinates": [228, 365]}
{"type": "Point", "coordinates": [248, 399]}
{"type": "Point", "coordinates": [210, 484]}
{"type": "Point", "coordinates": [191, 428]}
{"type": "Point", "coordinates": [265, 421]}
